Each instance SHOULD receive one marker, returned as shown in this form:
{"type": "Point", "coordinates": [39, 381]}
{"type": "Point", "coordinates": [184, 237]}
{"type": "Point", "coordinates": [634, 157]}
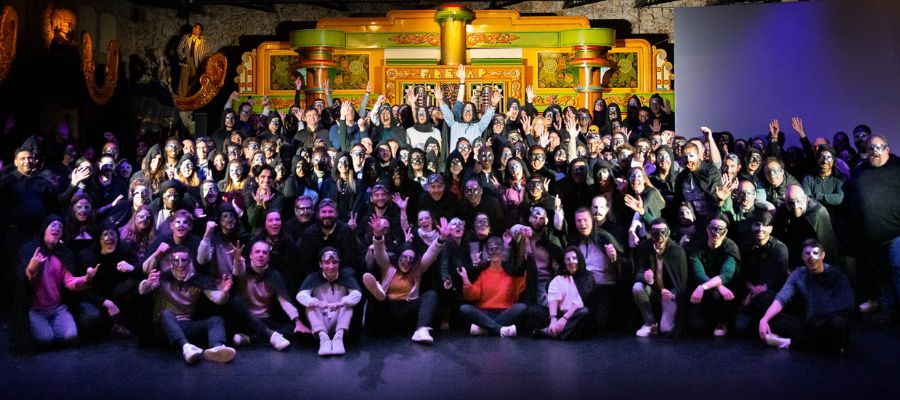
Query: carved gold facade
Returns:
{"type": "Point", "coordinates": [9, 27]}
{"type": "Point", "coordinates": [562, 57]}
{"type": "Point", "coordinates": [211, 81]}
{"type": "Point", "coordinates": [103, 93]}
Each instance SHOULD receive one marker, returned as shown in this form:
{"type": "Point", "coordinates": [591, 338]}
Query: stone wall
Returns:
{"type": "Point", "coordinates": [138, 27]}
{"type": "Point", "coordinates": [154, 27]}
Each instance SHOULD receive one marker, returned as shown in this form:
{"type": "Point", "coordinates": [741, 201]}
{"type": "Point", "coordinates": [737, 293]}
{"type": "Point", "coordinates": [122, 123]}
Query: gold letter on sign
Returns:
{"type": "Point", "coordinates": [9, 27]}
{"type": "Point", "coordinates": [102, 94]}
{"type": "Point", "coordinates": [211, 81]}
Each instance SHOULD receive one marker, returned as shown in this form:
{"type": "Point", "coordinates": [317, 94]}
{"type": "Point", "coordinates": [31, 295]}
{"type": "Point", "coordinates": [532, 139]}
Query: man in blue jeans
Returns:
{"type": "Point", "coordinates": [874, 194]}
{"type": "Point", "coordinates": [181, 291]}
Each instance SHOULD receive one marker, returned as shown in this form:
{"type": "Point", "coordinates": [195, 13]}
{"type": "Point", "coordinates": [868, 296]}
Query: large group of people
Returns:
{"type": "Point", "coordinates": [322, 223]}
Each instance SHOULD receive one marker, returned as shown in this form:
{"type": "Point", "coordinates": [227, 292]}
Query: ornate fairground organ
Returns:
{"type": "Point", "coordinates": [560, 56]}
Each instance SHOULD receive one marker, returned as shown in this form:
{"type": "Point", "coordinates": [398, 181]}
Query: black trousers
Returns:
{"type": "Point", "coordinates": [401, 315]}
{"type": "Point", "coordinates": [823, 333]}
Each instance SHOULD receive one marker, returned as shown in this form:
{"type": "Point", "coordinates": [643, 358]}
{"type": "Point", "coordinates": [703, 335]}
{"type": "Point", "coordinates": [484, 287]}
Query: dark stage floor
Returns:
{"type": "Point", "coordinates": [457, 366]}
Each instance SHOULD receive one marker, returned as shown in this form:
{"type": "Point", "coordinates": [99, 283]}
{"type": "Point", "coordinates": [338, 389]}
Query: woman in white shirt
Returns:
{"type": "Point", "coordinates": [565, 296]}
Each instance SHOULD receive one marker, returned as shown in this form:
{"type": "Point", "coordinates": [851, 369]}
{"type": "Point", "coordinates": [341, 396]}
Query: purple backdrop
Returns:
{"type": "Point", "coordinates": [835, 64]}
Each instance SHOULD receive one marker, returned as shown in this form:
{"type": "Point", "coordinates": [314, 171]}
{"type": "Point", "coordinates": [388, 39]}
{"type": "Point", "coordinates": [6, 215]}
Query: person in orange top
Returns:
{"type": "Point", "coordinates": [493, 299]}
{"type": "Point", "coordinates": [397, 295]}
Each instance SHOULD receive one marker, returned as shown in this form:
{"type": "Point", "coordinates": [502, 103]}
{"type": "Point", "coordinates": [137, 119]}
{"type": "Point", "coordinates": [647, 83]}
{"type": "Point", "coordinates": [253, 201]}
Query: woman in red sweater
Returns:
{"type": "Point", "coordinates": [493, 300]}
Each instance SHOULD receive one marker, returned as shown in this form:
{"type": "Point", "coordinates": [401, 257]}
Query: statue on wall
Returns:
{"type": "Point", "coordinates": [59, 26]}
{"type": "Point", "coordinates": [191, 52]}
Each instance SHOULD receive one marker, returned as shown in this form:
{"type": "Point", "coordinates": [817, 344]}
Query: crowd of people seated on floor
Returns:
{"type": "Point", "coordinates": [318, 224]}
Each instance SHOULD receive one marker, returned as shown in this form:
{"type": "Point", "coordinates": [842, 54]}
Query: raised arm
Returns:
{"type": "Point", "coordinates": [379, 228]}
{"type": "Point", "coordinates": [461, 93]}
{"type": "Point", "coordinates": [434, 250]}
{"type": "Point", "coordinates": [715, 156]}
{"type": "Point", "coordinates": [489, 113]}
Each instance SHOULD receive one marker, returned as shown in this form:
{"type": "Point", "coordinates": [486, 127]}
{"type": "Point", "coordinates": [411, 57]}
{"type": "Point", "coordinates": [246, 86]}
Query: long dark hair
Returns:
{"type": "Point", "coordinates": [583, 281]}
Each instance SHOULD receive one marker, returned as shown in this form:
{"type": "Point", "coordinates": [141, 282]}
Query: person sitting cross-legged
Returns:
{"type": "Point", "coordinates": [329, 297]}
{"type": "Point", "coordinates": [566, 295]}
{"type": "Point", "coordinates": [397, 295]}
{"type": "Point", "coordinates": [180, 291]}
{"type": "Point", "coordinates": [259, 289]}
{"type": "Point", "coordinates": [826, 292]}
{"type": "Point", "coordinates": [493, 298]}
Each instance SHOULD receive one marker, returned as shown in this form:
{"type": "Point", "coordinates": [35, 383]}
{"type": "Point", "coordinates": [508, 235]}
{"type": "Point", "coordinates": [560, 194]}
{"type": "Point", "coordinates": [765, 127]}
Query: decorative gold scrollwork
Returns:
{"type": "Point", "coordinates": [9, 28]}
{"type": "Point", "coordinates": [211, 81]}
{"type": "Point", "coordinates": [99, 94]}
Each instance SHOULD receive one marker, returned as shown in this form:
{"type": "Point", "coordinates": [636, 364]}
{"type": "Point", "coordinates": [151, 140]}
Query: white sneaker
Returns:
{"type": "Point", "coordinates": [422, 335]}
{"type": "Point", "coordinates": [373, 286]}
{"type": "Point", "coordinates": [337, 346]}
{"type": "Point", "coordinates": [191, 353]}
{"type": "Point", "coordinates": [721, 330]}
{"type": "Point", "coordinates": [508, 331]}
{"type": "Point", "coordinates": [240, 339]}
{"type": "Point", "coordinates": [324, 347]}
{"type": "Point", "coordinates": [219, 354]}
{"type": "Point", "coordinates": [778, 341]}
{"type": "Point", "coordinates": [476, 330]}
{"type": "Point", "coordinates": [647, 330]}
{"type": "Point", "coordinates": [869, 306]}
{"type": "Point", "coordinates": [279, 342]}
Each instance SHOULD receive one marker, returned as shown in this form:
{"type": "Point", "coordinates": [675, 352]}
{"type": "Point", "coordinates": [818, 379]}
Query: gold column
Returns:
{"type": "Point", "coordinates": [453, 19]}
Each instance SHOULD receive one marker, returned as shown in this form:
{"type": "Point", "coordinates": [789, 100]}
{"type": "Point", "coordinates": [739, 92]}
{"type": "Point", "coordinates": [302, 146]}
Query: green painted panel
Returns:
{"type": "Point", "coordinates": [496, 61]}
{"type": "Point", "coordinates": [318, 37]}
{"type": "Point", "coordinates": [589, 36]}
{"type": "Point", "coordinates": [410, 61]}
{"type": "Point", "coordinates": [392, 40]}
{"type": "Point", "coordinates": [432, 40]}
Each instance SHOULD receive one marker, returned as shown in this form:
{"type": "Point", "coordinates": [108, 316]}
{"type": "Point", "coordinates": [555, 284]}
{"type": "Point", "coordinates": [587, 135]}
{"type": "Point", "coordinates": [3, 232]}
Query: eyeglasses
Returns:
{"type": "Point", "coordinates": [304, 209]}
